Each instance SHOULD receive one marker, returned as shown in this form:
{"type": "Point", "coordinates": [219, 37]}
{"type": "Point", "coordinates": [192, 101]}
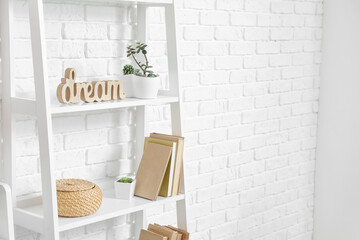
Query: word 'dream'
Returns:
{"type": "Point", "coordinates": [70, 92]}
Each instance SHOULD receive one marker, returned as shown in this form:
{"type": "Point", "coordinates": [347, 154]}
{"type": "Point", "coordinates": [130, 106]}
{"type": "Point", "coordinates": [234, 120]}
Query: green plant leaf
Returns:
{"type": "Point", "coordinates": [133, 51]}
{"type": "Point", "coordinates": [128, 69]}
{"type": "Point", "coordinates": [152, 75]}
{"type": "Point", "coordinates": [125, 180]}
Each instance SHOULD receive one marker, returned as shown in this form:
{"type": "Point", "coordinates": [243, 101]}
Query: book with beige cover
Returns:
{"type": "Point", "coordinates": [178, 160]}
{"type": "Point", "coordinates": [184, 234]}
{"type": "Point", "coordinates": [164, 231]}
{"type": "Point", "coordinates": [148, 235]}
{"type": "Point", "coordinates": [158, 232]}
{"type": "Point", "coordinates": [167, 184]}
{"type": "Point", "coordinates": [151, 170]}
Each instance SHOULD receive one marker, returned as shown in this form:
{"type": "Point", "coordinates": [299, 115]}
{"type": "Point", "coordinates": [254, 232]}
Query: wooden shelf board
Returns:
{"type": "Point", "coordinates": [110, 208]}
{"type": "Point", "coordinates": [128, 102]}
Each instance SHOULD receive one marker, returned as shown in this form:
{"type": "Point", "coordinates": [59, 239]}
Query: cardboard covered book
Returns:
{"type": "Point", "coordinates": [148, 235]}
{"type": "Point", "coordinates": [152, 170]}
{"type": "Point", "coordinates": [164, 231]}
{"type": "Point", "coordinates": [178, 159]}
{"type": "Point", "coordinates": [166, 188]}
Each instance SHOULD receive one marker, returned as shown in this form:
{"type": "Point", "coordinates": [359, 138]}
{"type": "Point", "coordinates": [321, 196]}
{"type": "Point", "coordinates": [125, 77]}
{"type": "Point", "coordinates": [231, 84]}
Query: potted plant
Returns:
{"type": "Point", "coordinates": [125, 188]}
{"type": "Point", "coordinates": [128, 72]}
{"type": "Point", "coordinates": [145, 83]}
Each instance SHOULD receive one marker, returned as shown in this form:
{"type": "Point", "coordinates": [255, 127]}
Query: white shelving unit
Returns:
{"type": "Point", "coordinates": [39, 213]}
{"type": "Point", "coordinates": [6, 215]}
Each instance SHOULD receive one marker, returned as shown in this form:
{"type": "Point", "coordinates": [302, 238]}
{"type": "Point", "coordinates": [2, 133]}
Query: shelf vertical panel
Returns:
{"type": "Point", "coordinates": [140, 110]}
{"type": "Point", "coordinates": [175, 89]}
{"type": "Point", "coordinates": [8, 125]}
{"type": "Point", "coordinates": [140, 221]}
{"type": "Point", "coordinates": [141, 126]}
{"type": "Point", "coordinates": [38, 43]}
{"type": "Point", "coordinates": [6, 213]}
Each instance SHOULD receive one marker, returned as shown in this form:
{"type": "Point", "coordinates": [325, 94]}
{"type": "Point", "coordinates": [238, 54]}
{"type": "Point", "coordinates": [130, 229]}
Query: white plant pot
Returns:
{"type": "Point", "coordinates": [128, 85]}
{"type": "Point", "coordinates": [124, 191]}
{"type": "Point", "coordinates": [146, 87]}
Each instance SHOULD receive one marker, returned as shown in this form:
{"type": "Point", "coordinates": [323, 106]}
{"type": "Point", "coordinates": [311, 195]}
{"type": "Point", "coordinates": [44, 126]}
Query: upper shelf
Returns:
{"type": "Point", "coordinates": [127, 102]}
{"type": "Point", "coordinates": [104, 2]}
{"type": "Point", "coordinates": [28, 107]}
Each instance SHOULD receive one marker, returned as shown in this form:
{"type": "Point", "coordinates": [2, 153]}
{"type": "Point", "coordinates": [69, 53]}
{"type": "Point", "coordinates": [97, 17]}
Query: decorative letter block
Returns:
{"type": "Point", "coordinates": [70, 92]}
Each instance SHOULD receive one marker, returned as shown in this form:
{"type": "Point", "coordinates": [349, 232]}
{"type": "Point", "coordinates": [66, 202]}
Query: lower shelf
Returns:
{"type": "Point", "coordinates": [110, 208]}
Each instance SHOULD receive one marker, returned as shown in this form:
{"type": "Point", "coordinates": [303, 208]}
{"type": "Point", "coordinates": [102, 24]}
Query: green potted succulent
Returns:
{"type": "Point", "coordinates": [125, 188]}
{"type": "Point", "coordinates": [144, 82]}
{"type": "Point", "coordinates": [128, 72]}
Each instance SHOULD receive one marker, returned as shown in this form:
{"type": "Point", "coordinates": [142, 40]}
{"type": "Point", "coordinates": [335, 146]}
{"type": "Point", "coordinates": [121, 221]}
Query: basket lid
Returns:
{"type": "Point", "coordinates": [73, 185]}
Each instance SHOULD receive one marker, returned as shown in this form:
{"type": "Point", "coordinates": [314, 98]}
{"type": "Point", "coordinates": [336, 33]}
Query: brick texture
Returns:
{"type": "Point", "coordinates": [250, 76]}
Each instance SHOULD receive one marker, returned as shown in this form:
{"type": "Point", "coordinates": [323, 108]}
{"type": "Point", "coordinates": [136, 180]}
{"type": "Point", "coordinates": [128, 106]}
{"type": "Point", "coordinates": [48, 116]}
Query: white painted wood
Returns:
{"type": "Point", "coordinates": [40, 214]}
{"type": "Point", "coordinates": [112, 2]}
{"type": "Point", "coordinates": [8, 129]}
{"type": "Point", "coordinates": [29, 220]}
{"type": "Point", "coordinates": [140, 222]}
{"type": "Point", "coordinates": [111, 207]}
{"type": "Point", "coordinates": [175, 90]}
{"type": "Point", "coordinates": [28, 107]}
{"type": "Point", "coordinates": [44, 118]}
{"type": "Point", "coordinates": [23, 106]}
{"type": "Point", "coordinates": [173, 62]}
{"type": "Point", "coordinates": [128, 102]}
{"type": "Point", "coordinates": [6, 214]}
{"type": "Point", "coordinates": [141, 128]}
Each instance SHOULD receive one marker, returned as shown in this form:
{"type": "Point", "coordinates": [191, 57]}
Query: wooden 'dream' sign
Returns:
{"type": "Point", "coordinates": [70, 92]}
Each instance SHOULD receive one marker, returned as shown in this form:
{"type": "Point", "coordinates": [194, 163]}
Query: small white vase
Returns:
{"type": "Point", "coordinates": [124, 191]}
{"type": "Point", "coordinates": [128, 85]}
{"type": "Point", "coordinates": [146, 87]}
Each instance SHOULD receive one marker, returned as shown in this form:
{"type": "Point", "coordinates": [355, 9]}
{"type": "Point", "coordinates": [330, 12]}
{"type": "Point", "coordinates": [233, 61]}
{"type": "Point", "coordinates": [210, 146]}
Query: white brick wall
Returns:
{"type": "Point", "coordinates": [250, 75]}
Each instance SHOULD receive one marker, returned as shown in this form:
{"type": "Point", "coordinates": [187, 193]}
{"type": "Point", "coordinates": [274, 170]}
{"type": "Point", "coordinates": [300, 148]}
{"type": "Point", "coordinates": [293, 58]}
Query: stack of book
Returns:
{"type": "Point", "coordinates": [157, 232]}
{"type": "Point", "coordinates": [160, 168]}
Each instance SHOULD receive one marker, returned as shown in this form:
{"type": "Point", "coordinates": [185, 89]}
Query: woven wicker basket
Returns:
{"type": "Point", "coordinates": [77, 198]}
